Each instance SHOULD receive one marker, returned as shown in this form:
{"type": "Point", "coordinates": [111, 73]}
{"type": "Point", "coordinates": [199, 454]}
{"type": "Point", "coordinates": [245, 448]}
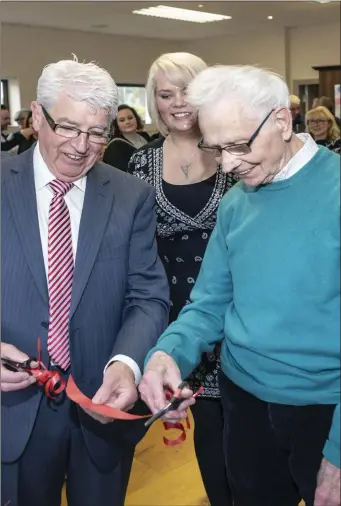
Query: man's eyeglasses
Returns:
{"type": "Point", "coordinates": [73, 132]}
{"type": "Point", "coordinates": [234, 149]}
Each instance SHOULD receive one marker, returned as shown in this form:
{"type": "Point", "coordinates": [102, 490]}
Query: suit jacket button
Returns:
{"type": "Point", "coordinates": [45, 325]}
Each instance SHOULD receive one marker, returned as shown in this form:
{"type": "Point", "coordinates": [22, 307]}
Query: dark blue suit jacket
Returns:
{"type": "Point", "coordinates": [119, 298]}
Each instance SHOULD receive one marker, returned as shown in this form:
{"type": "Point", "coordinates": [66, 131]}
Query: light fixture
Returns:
{"type": "Point", "coordinates": [162, 11]}
{"type": "Point", "coordinates": [270, 17]}
{"type": "Point", "coordinates": [200, 6]}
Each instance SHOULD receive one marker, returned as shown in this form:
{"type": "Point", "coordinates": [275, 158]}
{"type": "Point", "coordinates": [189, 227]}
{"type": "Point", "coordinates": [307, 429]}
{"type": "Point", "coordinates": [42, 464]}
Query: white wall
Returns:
{"type": "Point", "coordinates": [26, 50]}
{"type": "Point", "coordinates": [292, 52]}
{"type": "Point", "coordinates": [266, 49]}
{"type": "Point", "coordinates": [313, 46]}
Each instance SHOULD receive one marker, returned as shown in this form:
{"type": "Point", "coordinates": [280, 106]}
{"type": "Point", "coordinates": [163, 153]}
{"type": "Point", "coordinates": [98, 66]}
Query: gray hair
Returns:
{"type": "Point", "coordinates": [82, 82]}
{"type": "Point", "coordinates": [256, 90]}
{"type": "Point", "coordinates": [180, 69]}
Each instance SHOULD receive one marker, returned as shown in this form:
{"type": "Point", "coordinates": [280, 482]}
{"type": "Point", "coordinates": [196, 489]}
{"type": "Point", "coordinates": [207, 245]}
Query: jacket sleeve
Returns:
{"type": "Point", "coordinates": [145, 315]}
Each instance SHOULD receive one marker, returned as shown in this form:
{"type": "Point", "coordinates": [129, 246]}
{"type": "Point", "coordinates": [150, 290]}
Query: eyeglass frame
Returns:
{"type": "Point", "coordinates": [317, 121]}
{"type": "Point", "coordinates": [53, 125]}
{"type": "Point", "coordinates": [248, 144]}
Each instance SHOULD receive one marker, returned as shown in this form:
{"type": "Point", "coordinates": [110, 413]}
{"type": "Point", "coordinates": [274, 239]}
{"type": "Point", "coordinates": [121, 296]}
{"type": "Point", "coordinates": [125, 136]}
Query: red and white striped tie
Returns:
{"type": "Point", "coordinates": [60, 275]}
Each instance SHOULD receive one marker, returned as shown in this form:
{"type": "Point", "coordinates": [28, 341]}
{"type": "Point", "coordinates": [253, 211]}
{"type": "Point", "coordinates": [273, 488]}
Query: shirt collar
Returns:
{"type": "Point", "coordinates": [43, 176]}
{"type": "Point", "coordinates": [300, 159]}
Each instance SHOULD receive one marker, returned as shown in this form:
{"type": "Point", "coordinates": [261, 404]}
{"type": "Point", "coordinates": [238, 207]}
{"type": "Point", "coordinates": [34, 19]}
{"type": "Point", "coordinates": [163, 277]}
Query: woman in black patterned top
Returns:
{"type": "Point", "coordinates": [189, 187]}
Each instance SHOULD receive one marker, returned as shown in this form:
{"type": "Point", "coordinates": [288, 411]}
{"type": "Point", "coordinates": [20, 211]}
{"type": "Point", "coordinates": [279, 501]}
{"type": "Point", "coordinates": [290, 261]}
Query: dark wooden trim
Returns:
{"type": "Point", "coordinates": [4, 99]}
{"type": "Point", "coordinates": [327, 67]}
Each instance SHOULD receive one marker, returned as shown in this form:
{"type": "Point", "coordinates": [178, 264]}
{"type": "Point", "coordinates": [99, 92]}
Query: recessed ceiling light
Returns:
{"type": "Point", "coordinates": [200, 6]}
{"type": "Point", "coordinates": [270, 17]}
{"type": "Point", "coordinates": [162, 11]}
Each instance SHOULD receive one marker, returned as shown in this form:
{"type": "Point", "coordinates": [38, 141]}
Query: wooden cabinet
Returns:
{"type": "Point", "coordinates": [329, 75]}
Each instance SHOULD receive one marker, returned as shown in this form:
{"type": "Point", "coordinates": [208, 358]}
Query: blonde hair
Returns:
{"type": "Point", "coordinates": [178, 68]}
{"type": "Point", "coordinates": [294, 100]}
{"type": "Point", "coordinates": [333, 131]}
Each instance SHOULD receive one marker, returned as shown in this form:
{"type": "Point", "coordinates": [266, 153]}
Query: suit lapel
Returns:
{"type": "Point", "coordinates": [97, 206]}
{"type": "Point", "coordinates": [22, 198]}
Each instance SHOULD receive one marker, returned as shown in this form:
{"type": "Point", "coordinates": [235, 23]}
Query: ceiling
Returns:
{"type": "Point", "coordinates": [115, 17]}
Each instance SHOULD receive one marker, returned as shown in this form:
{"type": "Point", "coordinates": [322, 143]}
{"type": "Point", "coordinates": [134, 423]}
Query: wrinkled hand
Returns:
{"type": "Point", "coordinates": [160, 374]}
{"type": "Point", "coordinates": [118, 391]}
{"type": "Point", "coordinates": [328, 485]}
{"type": "Point", "coordinates": [11, 381]}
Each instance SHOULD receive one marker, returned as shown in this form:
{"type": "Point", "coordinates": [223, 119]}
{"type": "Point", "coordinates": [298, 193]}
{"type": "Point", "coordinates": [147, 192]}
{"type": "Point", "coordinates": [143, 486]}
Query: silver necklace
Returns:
{"type": "Point", "coordinates": [185, 167]}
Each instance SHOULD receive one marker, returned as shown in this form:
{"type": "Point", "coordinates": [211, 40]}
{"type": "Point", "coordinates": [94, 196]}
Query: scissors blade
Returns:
{"type": "Point", "coordinates": [158, 415]}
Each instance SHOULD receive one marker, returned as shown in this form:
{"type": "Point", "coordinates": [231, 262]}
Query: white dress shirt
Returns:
{"type": "Point", "coordinates": [300, 159]}
{"type": "Point", "coordinates": [74, 199]}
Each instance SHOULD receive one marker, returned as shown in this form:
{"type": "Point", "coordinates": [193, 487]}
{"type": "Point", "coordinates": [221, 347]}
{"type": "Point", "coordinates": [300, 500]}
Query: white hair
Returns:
{"type": "Point", "coordinates": [179, 69]}
{"type": "Point", "coordinates": [82, 82]}
{"type": "Point", "coordinates": [255, 89]}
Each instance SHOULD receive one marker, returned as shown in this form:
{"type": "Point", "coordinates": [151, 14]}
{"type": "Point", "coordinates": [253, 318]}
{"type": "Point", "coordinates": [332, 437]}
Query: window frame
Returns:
{"type": "Point", "coordinates": [146, 120]}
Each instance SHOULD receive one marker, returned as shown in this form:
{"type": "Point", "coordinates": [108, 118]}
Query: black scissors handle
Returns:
{"type": "Point", "coordinates": [173, 404]}
{"type": "Point", "coordinates": [14, 366]}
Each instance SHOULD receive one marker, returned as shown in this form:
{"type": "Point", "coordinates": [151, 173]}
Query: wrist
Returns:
{"type": "Point", "coordinates": [118, 365]}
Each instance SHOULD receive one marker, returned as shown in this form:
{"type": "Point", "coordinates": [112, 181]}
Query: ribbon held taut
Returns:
{"type": "Point", "coordinates": [74, 394]}
{"type": "Point", "coordinates": [54, 385]}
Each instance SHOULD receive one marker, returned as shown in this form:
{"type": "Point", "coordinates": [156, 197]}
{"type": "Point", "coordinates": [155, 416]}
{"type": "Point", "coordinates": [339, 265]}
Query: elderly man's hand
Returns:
{"type": "Point", "coordinates": [160, 374]}
{"type": "Point", "coordinates": [118, 391]}
{"type": "Point", "coordinates": [328, 485]}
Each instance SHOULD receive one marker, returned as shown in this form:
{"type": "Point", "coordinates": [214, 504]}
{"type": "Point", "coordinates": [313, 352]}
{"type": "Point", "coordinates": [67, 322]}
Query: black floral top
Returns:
{"type": "Point", "coordinates": [332, 145]}
{"type": "Point", "coordinates": [186, 216]}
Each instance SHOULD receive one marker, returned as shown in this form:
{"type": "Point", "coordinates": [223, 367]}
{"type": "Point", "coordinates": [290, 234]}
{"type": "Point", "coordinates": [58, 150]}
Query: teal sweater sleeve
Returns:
{"type": "Point", "coordinates": [201, 324]}
{"type": "Point", "coordinates": [332, 446]}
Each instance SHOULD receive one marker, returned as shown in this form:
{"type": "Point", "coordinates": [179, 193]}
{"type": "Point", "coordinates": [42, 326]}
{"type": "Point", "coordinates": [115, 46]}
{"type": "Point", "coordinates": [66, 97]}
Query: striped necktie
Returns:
{"type": "Point", "coordinates": [60, 275]}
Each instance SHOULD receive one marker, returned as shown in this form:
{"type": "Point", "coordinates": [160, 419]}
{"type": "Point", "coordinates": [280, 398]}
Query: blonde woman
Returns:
{"type": "Point", "coordinates": [322, 127]}
{"type": "Point", "coordinates": [189, 187]}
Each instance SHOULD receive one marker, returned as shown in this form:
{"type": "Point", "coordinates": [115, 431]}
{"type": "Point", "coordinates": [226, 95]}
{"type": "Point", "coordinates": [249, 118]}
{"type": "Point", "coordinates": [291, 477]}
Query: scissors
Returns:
{"type": "Point", "coordinates": [52, 382]}
{"type": "Point", "coordinates": [173, 404]}
{"type": "Point", "coordinates": [14, 366]}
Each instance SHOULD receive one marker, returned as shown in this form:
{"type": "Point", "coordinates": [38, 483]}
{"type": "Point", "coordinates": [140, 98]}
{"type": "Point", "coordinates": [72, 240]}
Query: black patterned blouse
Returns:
{"type": "Point", "coordinates": [186, 216]}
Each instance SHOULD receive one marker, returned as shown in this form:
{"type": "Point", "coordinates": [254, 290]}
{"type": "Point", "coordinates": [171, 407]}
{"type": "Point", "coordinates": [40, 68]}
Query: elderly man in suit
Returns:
{"type": "Point", "coordinates": [80, 271]}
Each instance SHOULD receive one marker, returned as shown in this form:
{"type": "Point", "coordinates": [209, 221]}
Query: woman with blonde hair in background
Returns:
{"type": "Point", "coordinates": [189, 187]}
{"type": "Point", "coordinates": [322, 127]}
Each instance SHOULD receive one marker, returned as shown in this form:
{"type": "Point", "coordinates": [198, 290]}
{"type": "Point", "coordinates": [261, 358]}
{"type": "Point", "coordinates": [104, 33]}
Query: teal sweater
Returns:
{"type": "Point", "coordinates": [269, 289]}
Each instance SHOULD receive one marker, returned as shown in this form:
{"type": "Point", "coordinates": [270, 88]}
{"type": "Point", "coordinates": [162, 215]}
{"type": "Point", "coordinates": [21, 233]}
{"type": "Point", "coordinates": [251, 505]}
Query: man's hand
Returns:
{"type": "Point", "coordinates": [11, 381]}
{"type": "Point", "coordinates": [328, 485]}
{"type": "Point", "coordinates": [118, 391]}
{"type": "Point", "coordinates": [160, 374]}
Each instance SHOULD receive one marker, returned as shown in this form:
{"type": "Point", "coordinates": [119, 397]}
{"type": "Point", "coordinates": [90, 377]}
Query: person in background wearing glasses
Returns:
{"type": "Point", "coordinates": [189, 187]}
{"type": "Point", "coordinates": [269, 290]}
{"type": "Point", "coordinates": [81, 272]}
{"type": "Point", "coordinates": [323, 128]}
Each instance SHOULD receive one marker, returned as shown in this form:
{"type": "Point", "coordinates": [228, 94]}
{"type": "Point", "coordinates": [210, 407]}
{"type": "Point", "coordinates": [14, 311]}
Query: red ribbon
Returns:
{"type": "Point", "coordinates": [51, 380]}
{"type": "Point", "coordinates": [73, 392]}
{"type": "Point", "coordinates": [54, 384]}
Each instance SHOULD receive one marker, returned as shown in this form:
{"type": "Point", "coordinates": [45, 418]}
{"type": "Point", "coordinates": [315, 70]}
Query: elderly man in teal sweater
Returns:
{"type": "Point", "coordinates": [269, 291]}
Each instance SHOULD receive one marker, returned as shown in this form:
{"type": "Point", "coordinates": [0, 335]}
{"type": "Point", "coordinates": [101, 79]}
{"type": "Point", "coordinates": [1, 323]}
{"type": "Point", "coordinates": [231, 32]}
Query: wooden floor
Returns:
{"type": "Point", "coordinates": [163, 476]}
